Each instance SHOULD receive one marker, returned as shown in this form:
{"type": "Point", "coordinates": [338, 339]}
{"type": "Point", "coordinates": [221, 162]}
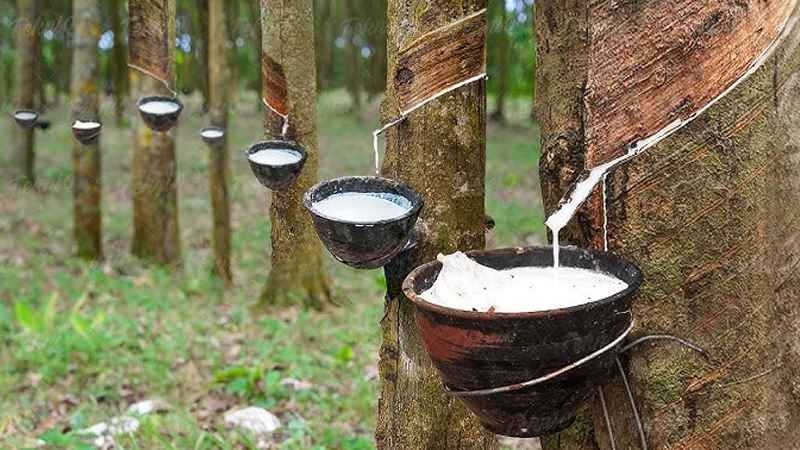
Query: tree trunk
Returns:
{"type": "Point", "coordinates": [535, 63]}
{"type": "Point", "coordinates": [503, 50]}
{"type": "Point", "coordinates": [254, 8]}
{"type": "Point", "coordinates": [353, 67]}
{"type": "Point", "coordinates": [156, 236]}
{"type": "Point", "coordinates": [288, 61]}
{"type": "Point", "coordinates": [376, 33]}
{"type": "Point", "coordinates": [232, 11]}
{"type": "Point", "coordinates": [86, 158]}
{"type": "Point", "coordinates": [323, 41]}
{"type": "Point", "coordinates": [200, 50]}
{"type": "Point", "coordinates": [710, 213]}
{"type": "Point", "coordinates": [119, 63]}
{"type": "Point", "coordinates": [414, 412]}
{"type": "Point", "coordinates": [218, 168]}
{"type": "Point", "coordinates": [26, 82]}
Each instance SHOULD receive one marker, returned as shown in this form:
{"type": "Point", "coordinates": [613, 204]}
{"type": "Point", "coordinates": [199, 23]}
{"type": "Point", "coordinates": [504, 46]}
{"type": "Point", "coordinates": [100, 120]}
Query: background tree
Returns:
{"type": "Point", "coordinates": [288, 54]}
{"type": "Point", "coordinates": [414, 411]}
{"type": "Point", "coordinates": [710, 213]}
{"type": "Point", "coordinates": [218, 169]}
{"type": "Point", "coordinates": [156, 234]}
{"type": "Point", "coordinates": [500, 56]}
{"type": "Point", "coordinates": [352, 48]}
{"type": "Point", "coordinates": [119, 63]}
{"type": "Point", "coordinates": [87, 184]}
{"type": "Point", "coordinates": [26, 81]}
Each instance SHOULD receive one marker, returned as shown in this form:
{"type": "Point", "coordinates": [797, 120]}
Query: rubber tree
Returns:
{"type": "Point", "coordinates": [289, 85]}
{"type": "Point", "coordinates": [156, 236]}
{"type": "Point", "coordinates": [218, 168]}
{"type": "Point", "coordinates": [501, 56]}
{"type": "Point", "coordinates": [710, 211]}
{"type": "Point", "coordinates": [87, 185]}
{"type": "Point", "coordinates": [26, 81]}
{"type": "Point", "coordinates": [353, 66]}
{"type": "Point", "coordinates": [440, 151]}
{"type": "Point", "coordinates": [119, 64]}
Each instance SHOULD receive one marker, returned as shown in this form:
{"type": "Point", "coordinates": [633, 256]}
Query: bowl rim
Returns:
{"type": "Point", "coordinates": [18, 111]}
{"type": "Point", "coordinates": [211, 128]}
{"type": "Point", "coordinates": [419, 302]}
{"type": "Point", "coordinates": [159, 98]}
{"type": "Point", "coordinates": [100, 125]}
{"type": "Point", "coordinates": [411, 195]}
{"type": "Point", "coordinates": [276, 144]}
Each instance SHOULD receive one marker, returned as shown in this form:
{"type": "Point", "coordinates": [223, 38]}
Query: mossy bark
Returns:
{"type": "Point", "coordinates": [440, 152]}
{"type": "Point", "coordinates": [86, 165]}
{"type": "Point", "coordinates": [119, 63]}
{"type": "Point", "coordinates": [297, 274]}
{"type": "Point", "coordinates": [711, 215]}
{"type": "Point", "coordinates": [26, 86]}
{"type": "Point", "coordinates": [156, 236]}
{"type": "Point", "coordinates": [218, 167]}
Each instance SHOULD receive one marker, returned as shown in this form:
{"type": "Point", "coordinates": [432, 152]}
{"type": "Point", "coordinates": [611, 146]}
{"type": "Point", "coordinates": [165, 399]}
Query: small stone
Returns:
{"type": "Point", "coordinates": [104, 432]}
{"type": "Point", "coordinates": [297, 385]}
{"type": "Point", "coordinates": [256, 420]}
{"type": "Point", "coordinates": [148, 406]}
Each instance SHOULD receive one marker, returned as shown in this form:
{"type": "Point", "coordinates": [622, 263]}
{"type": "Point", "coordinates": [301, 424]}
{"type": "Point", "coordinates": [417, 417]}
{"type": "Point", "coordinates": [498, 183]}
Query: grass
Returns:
{"type": "Point", "coordinates": [81, 342]}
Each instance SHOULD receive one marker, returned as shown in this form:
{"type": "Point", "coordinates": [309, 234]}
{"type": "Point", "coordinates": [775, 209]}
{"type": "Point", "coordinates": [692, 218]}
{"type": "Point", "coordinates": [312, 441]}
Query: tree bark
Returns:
{"type": "Point", "coordinates": [202, 20]}
{"type": "Point", "coordinates": [323, 26]}
{"type": "Point", "coordinates": [710, 213]}
{"type": "Point", "coordinates": [218, 168]}
{"type": "Point", "coordinates": [119, 64]}
{"type": "Point", "coordinates": [232, 12]}
{"type": "Point", "coordinates": [353, 67]}
{"type": "Point", "coordinates": [156, 236]}
{"type": "Point", "coordinates": [502, 57]}
{"type": "Point", "coordinates": [376, 33]}
{"type": "Point", "coordinates": [26, 81]}
{"type": "Point", "coordinates": [297, 272]}
{"type": "Point", "coordinates": [87, 185]}
{"type": "Point", "coordinates": [414, 412]}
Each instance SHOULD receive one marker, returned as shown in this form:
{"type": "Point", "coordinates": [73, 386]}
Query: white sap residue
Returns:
{"type": "Point", "coordinates": [363, 207]}
{"type": "Point", "coordinates": [79, 125]}
{"type": "Point", "coordinates": [212, 134]}
{"type": "Point", "coordinates": [466, 285]}
{"type": "Point", "coordinates": [275, 157]}
{"type": "Point", "coordinates": [159, 107]}
{"type": "Point", "coordinates": [25, 115]}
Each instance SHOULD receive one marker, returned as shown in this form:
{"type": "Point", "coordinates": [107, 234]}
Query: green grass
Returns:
{"type": "Point", "coordinates": [81, 342]}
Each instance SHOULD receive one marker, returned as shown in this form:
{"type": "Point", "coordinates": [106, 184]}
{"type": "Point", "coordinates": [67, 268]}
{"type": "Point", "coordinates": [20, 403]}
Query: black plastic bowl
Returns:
{"type": "Point", "coordinates": [212, 140]}
{"type": "Point", "coordinates": [277, 177]}
{"type": "Point", "coordinates": [26, 123]}
{"type": "Point", "coordinates": [363, 245]}
{"type": "Point", "coordinates": [482, 350]}
{"type": "Point", "coordinates": [160, 122]}
{"type": "Point", "coordinates": [86, 136]}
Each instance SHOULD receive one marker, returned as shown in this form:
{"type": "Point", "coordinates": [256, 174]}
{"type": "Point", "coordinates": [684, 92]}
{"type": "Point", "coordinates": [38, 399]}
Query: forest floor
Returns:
{"type": "Point", "coordinates": [82, 342]}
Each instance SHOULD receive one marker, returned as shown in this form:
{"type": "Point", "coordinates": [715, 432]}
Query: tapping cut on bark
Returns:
{"type": "Point", "coordinates": [150, 48]}
{"type": "Point", "coordinates": [657, 62]}
{"type": "Point", "coordinates": [440, 59]}
{"type": "Point", "coordinates": [274, 88]}
{"type": "Point", "coordinates": [710, 212]}
{"type": "Point", "coordinates": [297, 273]}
